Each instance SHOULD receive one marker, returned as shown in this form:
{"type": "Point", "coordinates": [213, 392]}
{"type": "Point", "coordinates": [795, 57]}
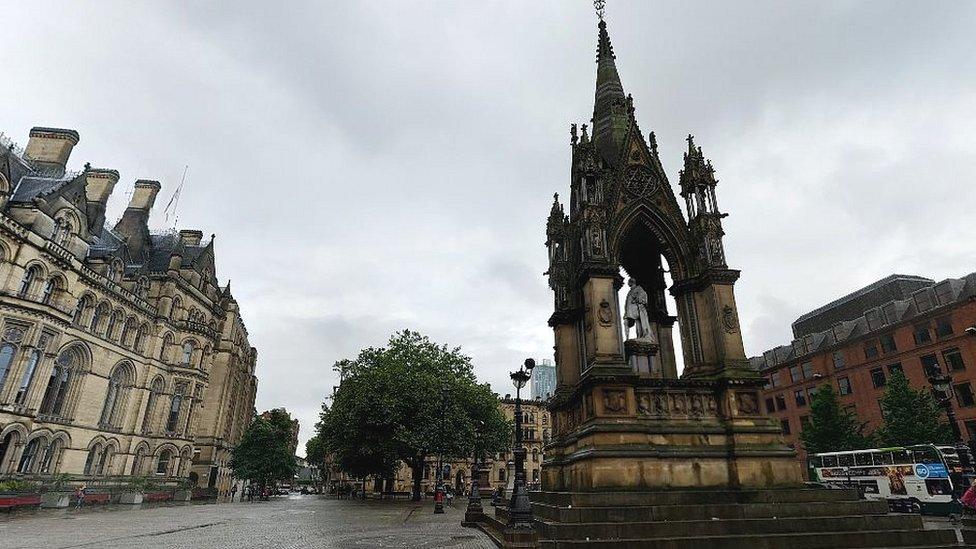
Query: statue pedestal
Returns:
{"type": "Point", "coordinates": [640, 355]}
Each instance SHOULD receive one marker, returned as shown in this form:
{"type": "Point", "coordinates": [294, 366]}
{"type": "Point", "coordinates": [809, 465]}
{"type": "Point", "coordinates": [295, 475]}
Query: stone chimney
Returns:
{"type": "Point", "coordinates": [49, 148]}
{"type": "Point", "coordinates": [190, 237]}
{"type": "Point", "coordinates": [144, 195]}
{"type": "Point", "coordinates": [134, 225]}
{"type": "Point", "coordinates": [99, 184]}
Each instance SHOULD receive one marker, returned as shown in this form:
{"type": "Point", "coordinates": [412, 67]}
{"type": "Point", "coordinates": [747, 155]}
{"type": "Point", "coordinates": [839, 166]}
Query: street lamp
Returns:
{"type": "Point", "coordinates": [519, 509]}
{"type": "Point", "coordinates": [439, 490]}
{"type": "Point", "coordinates": [942, 389]}
{"type": "Point", "coordinates": [475, 511]}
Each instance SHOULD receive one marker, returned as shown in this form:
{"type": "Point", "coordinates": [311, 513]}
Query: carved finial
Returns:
{"type": "Point", "coordinates": [87, 166]}
{"type": "Point", "coordinates": [572, 132]}
{"type": "Point", "coordinates": [653, 139]}
{"type": "Point", "coordinates": [630, 105]}
{"type": "Point", "coordinates": [599, 6]}
{"type": "Point", "coordinates": [586, 137]}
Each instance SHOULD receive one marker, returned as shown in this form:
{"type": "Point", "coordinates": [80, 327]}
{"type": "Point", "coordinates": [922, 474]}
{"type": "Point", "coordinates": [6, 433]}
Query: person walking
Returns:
{"type": "Point", "coordinates": [250, 493]}
{"type": "Point", "coordinates": [233, 492]}
{"type": "Point", "coordinates": [80, 496]}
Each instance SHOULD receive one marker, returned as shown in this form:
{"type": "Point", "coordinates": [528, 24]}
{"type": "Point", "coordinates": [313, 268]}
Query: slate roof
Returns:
{"type": "Point", "coordinates": [873, 315]}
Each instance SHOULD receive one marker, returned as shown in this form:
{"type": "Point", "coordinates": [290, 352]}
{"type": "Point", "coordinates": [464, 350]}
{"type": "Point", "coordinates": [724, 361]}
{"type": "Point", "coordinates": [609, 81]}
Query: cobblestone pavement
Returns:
{"type": "Point", "coordinates": [293, 522]}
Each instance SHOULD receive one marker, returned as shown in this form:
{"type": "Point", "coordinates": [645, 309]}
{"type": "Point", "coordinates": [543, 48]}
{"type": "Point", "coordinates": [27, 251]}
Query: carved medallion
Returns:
{"type": "Point", "coordinates": [729, 320]}
{"type": "Point", "coordinates": [748, 403]}
{"type": "Point", "coordinates": [643, 404]}
{"type": "Point", "coordinates": [614, 401]}
{"type": "Point", "coordinates": [640, 181]}
{"type": "Point", "coordinates": [605, 314]}
{"type": "Point", "coordinates": [13, 334]}
{"type": "Point", "coordinates": [697, 409]}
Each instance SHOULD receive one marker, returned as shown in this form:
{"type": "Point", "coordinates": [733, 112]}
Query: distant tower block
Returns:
{"type": "Point", "coordinates": [543, 379]}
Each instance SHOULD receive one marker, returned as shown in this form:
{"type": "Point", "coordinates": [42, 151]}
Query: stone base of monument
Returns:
{"type": "Point", "coordinates": [797, 518]}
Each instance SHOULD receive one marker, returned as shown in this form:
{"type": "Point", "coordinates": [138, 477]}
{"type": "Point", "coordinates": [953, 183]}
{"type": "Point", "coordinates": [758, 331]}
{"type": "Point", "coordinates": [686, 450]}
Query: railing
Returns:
{"type": "Point", "coordinates": [196, 327]}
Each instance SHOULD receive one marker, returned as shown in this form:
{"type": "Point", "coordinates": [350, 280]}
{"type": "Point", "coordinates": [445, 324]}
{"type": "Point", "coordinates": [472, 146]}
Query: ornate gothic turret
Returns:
{"type": "Point", "coordinates": [698, 189]}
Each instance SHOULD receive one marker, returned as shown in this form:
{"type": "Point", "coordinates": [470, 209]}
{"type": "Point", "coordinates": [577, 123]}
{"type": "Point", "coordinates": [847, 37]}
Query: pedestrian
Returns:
{"type": "Point", "coordinates": [80, 496]}
{"type": "Point", "coordinates": [968, 499]}
{"type": "Point", "coordinates": [233, 492]}
{"type": "Point", "coordinates": [250, 493]}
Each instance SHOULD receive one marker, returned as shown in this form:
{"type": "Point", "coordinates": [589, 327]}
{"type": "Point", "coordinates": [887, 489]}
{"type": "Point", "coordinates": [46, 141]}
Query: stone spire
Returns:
{"type": "Point", "coordinates": [610, 106]}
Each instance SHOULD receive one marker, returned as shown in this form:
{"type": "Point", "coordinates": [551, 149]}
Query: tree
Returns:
{"type": "Point", "coordinates": [407, 401]}
{"type": "Point", "coordinates": [911, 416]}
{"type": "Point", "coordinates": [831, 427]}
{"type": "Point", "coordinates": [316, 453]}
{"type": "Point", "coordinates": [283, 424]}
{"type": "Point", "coordinates": [262, 455]}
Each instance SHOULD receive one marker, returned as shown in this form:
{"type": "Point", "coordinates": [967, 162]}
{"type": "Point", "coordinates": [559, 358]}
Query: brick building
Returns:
{"type": "Point", "coordinates": [907, 323]}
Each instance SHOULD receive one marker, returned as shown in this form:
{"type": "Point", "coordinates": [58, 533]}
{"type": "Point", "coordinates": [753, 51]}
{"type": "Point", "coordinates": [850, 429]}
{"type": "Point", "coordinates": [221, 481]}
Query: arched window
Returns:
{"type": "Point", "coordinates": [137, 461]}
{"type": "Point", "coordinates": [62, 230]}
{"type": "Point", "coordinates": [8, 445]}
{"type": "Point", "coordinates": [141, 335]}
{"type": "Point", "coordinates": [113, 322]}
{"type": "Point", "coordinates": [30, 275]}
{"type": "Point", "coordinates": [116, 397]}
{"type": "Point", "coordinates": [7, 351]}
{"type": "Point", "coordinates": [535, 454]}
{"type": "Point", "coordinates": [59, 383]}
{"type": "Point", "coordinates": [101, 312]}
{"type": "Point", "coordinates": [501, 475]}
{"type": "Point", "coordinates": [50, 290]}
{"type": "Point", "coordinates": [28, 377]}
{"type": "Point", "coordinates": [174, 313]}
{"type": "Point", "coordinates": [52, 454]}
{"type": "Point", "coordinates": [175, 407]}
{"type": "Point", "coordinates": [130, 326]}
{"type": "Point", "coordinates": [105, 460]}
{"type": "Point", "coordinates": [80, 310]}
{"type": "Point", "coordinates": [164, 351]}
{"type": "Point", "coordinates": [187, 359]}
{"type": "Point", "coordinates": [91, 462]}
{"type": "Point", "coordinates": [162, 464]}
{"type": "Point", "coordinates": [28, 456]}
{"type": "Point", "coordinates": [155, 390]}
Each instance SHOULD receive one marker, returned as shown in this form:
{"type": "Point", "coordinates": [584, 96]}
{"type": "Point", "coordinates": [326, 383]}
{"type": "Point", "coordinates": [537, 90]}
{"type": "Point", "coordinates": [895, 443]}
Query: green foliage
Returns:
{"type": "Point", "coordinates": [316, 452]}
{"type": "Point", "coordinates": [832, 427]}
{"type": "Point", "coordinates": [911, 416]}
{"type": "Point", "coordinates": [263, 455]}
{"type": "Point", "coordinates": [142, 484]}
{"type": "Point", "coordinates": [282, 422]}
{"type": "Point", "coordinates": [406, 401]}
{"type": "Point", "coordinates": [19, 486]}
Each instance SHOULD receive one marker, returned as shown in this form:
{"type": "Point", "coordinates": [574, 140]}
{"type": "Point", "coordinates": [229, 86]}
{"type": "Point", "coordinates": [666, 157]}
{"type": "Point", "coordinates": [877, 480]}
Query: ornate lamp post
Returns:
{"type": "Point", "coordinates": [942, 390]}
{"type": "Point", "coordinates": [475, 511]}
{"type": "Point", "coordinates": [439, 490]}
{"type": "Point", "coordinates": [519, 509]}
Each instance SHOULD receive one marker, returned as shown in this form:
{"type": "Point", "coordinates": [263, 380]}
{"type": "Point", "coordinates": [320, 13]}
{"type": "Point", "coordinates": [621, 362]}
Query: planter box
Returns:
{"type": "Point", "coordinates": [131, 498]}
{"type": "Point", "coordinates": [182, 495]}
{"type": "Point", "coordinates": [55, 500]}
{"type": "Point", "coordinates": [153, 497]}
{"type": "Point", "coordinates": [13, 501]}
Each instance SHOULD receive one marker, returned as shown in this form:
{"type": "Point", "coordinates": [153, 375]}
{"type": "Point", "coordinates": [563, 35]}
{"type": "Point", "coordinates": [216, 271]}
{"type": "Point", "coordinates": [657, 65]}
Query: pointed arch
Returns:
{"type": "Point", "coordinates": [673, 238]}
{"type": "Point", "coordinates": [156, 390]}
{"type": "Point", "coordinates": [72, 362]}
{"type": "Point", "coordinates": [139, 459]}
{"type": "Point", "coordinates": [117, 395]}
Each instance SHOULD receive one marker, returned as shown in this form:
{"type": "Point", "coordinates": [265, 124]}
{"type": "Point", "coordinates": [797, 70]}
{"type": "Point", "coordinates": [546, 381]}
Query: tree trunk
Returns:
{"type": "Point", "coordinates": [418, 472]}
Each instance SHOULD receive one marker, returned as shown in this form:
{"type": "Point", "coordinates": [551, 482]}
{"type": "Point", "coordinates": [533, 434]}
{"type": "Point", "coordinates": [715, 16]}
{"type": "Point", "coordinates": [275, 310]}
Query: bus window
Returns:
{"type": "Point", "coordinates": [900, 456]}
{"type": "Point", "coordinates": [883, 458]}
{"type": "Point", "coordinates": [926, 454]}
{"type": "Point", "coordinates": [845, 460]}
{"type": "Point", "coordinates": [830, 461]}
{"type": "Point", "coordinates": [938, 486]}
{"type": "Point", "coordinates": [863, 458]}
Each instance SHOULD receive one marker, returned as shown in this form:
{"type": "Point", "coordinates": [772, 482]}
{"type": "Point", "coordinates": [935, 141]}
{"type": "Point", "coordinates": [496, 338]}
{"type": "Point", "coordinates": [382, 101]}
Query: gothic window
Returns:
{"type": "Point", "coordinates": [113, 322]}
{"type": "Point", "coordinates": [28, 456]}
{"type": "Point", "coordinates": [91, 464]}
{"type": "Point", "coordinates": [28, 377]}
{"type": "Point", "coordinates": [7, 352]}
{"type": "Point", "coordinates": [105, 460]}
{"type": "Point", "coordinates": [59, 383]}
{"type": "Point", "coordinates": [118, 388]}
{"type": "Point", "coordinates": [175, 309]}
{"type": "Point", "coordinates": [162, 464]}
{"type": "Point", "coordinates": [51, 456]}
{"type": "Point", "coordinates": [175, 406]}
{"type": "Point", "coordinates": [187, 359]}
{"type": "Point", "coordinates": [50, 290]}
{"type": "Point", "coordinates": [130, 326]}
{"type": "Point", "coordinates": [81, 309]}
{"type": "Point", "coordinates": [30, 275]}
{"type": "Point", "coordinates": [115, 270]}
{"type": "Point", "coordinates": [137, 461]}
{"type": "Point", "coordinates": [7, 447]}
{"type": "Point", "coordinates": [164, 351]}
{"type": "Point", "coordinates": [141, 336]}
{"type": "Point", "coordinates": [155, 390]}
{"type": "Point", "coordinates": [101, 312]}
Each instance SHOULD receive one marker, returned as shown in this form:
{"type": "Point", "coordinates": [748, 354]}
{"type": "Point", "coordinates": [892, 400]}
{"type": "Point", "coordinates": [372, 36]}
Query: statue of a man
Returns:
{"type": "Point", "coordinates": [635, 311]}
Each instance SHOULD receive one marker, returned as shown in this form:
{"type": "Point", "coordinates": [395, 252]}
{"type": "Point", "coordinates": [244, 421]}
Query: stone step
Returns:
{"type": "Point", "coordinates": [820, 540]}
{"type": "Point", "coordinates": [706, 511]}
{"type": "Point", "coordinates": [687, 497]}
{"type": "Point", "coordinates": [736, 527]}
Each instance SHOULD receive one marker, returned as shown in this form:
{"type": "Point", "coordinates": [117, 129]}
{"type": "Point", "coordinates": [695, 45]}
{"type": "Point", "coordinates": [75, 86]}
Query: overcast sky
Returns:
{"type": "Point", "coordinates": [369, 167]}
